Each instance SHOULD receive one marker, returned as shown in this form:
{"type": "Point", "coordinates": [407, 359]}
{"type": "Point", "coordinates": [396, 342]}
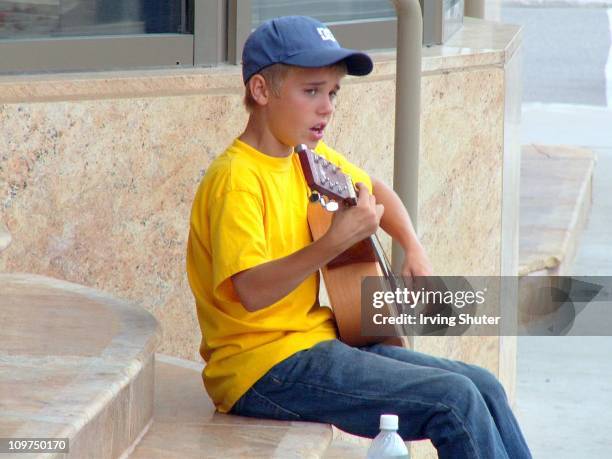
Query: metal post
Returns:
{"type": "Point", "coordinates": [239, 28]}
{"type": "Point", "coordinates": [407, 111]}
{"type": "Point", "coordinates": [475, 8]}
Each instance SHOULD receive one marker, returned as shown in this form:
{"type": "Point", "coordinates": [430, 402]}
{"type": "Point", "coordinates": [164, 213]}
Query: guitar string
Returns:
{"type": "Point", "coordinates": [390, 277]}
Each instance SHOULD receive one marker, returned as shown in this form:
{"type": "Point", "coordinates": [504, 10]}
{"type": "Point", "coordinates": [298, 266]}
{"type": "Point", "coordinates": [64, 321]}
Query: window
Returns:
{"type": "Point", "coordinates": [64, 18]}
{"type": "Point", "coordinates": [69, 35]}
{"type": "Point", "coordinates": [324, 11]}
{"type": "Point", "coordinates": [78, 35]}
{"type": "Point", "coordinates": [360, 24]}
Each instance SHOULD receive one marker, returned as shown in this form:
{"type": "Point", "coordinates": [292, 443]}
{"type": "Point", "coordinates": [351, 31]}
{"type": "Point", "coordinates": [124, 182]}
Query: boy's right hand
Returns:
{"type": "Point", "coordinates": [353, 224]}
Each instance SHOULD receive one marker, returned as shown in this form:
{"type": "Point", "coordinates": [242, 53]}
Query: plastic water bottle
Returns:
{"type": "Point", "coordinates": [388, 443]}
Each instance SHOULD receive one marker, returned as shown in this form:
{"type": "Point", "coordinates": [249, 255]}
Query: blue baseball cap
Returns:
{"type": "Point", "coordinates": [300, 41]}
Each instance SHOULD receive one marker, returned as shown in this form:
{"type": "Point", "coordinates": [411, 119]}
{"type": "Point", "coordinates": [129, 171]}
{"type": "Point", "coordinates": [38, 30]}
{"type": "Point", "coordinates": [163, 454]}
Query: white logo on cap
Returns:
{"type": "Point", "coordinates": [326, 34]}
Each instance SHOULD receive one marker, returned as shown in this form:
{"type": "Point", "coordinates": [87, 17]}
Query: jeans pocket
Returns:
{"type": "Point", "coordinates": [281, 372]}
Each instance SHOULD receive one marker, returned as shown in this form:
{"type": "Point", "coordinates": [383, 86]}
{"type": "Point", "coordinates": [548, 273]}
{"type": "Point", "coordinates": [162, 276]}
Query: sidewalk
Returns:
{"type": "Point", "coordinates": [557, 3]}
{"type": "Point", "coordinates": [564, 384]}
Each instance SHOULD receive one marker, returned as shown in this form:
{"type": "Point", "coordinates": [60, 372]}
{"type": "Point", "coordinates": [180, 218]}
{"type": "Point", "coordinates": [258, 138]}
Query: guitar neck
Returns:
{"type": "Point", "coordinates": [327, 178]}
{"type": "Point", "coordinates": [383, 262]}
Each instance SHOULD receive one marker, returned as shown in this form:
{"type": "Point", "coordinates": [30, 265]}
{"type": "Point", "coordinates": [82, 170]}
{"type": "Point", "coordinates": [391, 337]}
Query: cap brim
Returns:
{"type": "Point", "coordinates": [357, 63]}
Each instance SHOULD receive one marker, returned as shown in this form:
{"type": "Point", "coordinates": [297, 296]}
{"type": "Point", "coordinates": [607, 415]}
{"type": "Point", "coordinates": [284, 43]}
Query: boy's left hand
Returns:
{"type": "Point", "coordinates": [416, 263]}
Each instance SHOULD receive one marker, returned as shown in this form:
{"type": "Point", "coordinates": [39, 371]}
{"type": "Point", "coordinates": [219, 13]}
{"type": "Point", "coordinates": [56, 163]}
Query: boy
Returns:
{"type": "Point", "coordinates": [271, 350]}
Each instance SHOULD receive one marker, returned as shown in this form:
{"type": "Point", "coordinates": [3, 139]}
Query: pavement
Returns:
{"type": "Point", "coordinates": [565, 51]}
{"type": "Point", "coordinates": [558, 3]}
{"type": "Point", "coordinates": [564, 384]}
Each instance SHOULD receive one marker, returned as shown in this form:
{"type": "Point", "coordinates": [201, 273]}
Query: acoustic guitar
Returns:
{"type": "Point", "coordinates": [331, 188]}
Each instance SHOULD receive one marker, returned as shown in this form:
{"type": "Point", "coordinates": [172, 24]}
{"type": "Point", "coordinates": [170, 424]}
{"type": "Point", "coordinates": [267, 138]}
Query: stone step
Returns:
{"type": "Point", "coordinates": [75, 363]}
{"type": "Point", "coordinates": [556, 196]}
{"type": "Point", "coordinates": [186, 425]}
{"type": "Point", "coordinates": [343, 449]}
{"type": "Point", "coordinates": [347, 446]}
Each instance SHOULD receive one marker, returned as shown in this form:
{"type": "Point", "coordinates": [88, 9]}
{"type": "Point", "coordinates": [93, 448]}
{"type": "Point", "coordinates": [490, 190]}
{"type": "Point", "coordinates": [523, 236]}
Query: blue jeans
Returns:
{"type": "Point", "coordinates": [461, 408]}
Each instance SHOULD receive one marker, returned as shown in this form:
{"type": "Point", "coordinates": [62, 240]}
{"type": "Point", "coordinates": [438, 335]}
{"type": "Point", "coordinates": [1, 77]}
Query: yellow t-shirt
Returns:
{"type": "Point", "coordinates": [250, 209]}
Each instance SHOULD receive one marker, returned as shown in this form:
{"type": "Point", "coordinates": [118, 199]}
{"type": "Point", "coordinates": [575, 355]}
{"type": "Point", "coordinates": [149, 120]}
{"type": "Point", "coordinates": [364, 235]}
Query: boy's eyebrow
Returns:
{"type": "Point", "coordinates": [320, 83]}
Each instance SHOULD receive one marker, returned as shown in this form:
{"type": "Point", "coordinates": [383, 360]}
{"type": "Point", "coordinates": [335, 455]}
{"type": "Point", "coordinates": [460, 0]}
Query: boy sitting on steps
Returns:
{"type": "Point", "coordinates": [271, 350]}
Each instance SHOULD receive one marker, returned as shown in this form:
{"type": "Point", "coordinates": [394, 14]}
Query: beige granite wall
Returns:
{"type": "Point", "coordinates": [98, 192]}
{"type": "Point", "coordinates": [461, 170]}
{"type": "Point", "coordinates": [460, 189]}
{"type": "Point", "coordinates": [97, 173]}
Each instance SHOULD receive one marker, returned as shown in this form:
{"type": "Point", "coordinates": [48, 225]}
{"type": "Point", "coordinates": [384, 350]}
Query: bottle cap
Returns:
{"type": "Point", "coordinates": [389, 421]}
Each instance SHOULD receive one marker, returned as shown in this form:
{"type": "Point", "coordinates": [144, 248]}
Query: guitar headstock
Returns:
{"type": "Point", "coordinates": [325, 177]}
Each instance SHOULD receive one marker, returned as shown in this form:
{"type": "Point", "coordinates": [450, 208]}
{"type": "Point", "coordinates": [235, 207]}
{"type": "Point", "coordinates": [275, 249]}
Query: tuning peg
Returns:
{"type": "Point", "coordinates": [330, 206]}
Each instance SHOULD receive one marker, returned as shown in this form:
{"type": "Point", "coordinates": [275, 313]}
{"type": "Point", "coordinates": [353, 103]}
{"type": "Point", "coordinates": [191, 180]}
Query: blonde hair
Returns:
{"type": "Point", "coordinates": [274, 75]}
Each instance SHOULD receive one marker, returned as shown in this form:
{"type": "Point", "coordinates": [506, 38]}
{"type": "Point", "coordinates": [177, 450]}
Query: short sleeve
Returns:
{"type": "Point", "coordinates": [237, 232]}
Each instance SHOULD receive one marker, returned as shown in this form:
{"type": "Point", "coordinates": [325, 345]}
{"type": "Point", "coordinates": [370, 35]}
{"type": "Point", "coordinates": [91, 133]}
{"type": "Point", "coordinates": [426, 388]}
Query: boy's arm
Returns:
{"type": "Point", "coordinates": [269, 282]}
{"type": "Point", "coordinates": [396, 222]}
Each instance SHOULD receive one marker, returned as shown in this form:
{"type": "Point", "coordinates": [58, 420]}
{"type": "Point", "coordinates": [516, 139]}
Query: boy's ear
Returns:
{"type": "Point", "coordinates": [259, 89]}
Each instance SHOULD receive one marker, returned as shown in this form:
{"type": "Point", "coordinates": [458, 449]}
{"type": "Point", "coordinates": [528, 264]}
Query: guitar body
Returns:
{"type": "Point", "coordinates": [343, 277]}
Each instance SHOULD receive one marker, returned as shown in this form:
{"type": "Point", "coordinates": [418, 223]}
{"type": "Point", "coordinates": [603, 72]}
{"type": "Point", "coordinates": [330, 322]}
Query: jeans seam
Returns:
{"type": "Point", "coordinates": [360, 396]}
{"type": "Point", "coordinates": [464, 427]}
{"type": "Point", "coordinates": [451, 409]}
{"type": "Point", "coordinates": [276, 405]}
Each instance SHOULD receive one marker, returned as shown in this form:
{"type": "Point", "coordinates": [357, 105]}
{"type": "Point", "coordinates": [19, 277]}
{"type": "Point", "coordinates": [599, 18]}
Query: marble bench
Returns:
{"type": "Point", "coordinates": [186, 425]}
{"type": "Point", "coordinates": [556, 186]}
{"type": "Point", "coordinates": [75, 363]}
{"type": "Point", "coordinates": [556, 197]}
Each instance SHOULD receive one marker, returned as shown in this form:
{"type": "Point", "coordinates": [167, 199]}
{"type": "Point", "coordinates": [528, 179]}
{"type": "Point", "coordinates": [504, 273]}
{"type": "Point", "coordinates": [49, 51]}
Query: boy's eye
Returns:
{"type": "Point", "coordinates": [311, 92]}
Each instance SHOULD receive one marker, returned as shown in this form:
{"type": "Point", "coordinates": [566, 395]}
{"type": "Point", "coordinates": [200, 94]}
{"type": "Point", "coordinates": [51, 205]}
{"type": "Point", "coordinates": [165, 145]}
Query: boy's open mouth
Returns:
{"type": "Point", "coordinates": [318, 129]}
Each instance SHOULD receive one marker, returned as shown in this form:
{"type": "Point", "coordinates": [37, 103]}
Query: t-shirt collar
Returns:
{"type": "Point", "coordinates": [273, 162]}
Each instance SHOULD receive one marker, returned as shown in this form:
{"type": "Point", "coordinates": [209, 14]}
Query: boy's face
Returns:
{"type": "Point", "coordinates": [304, 106]}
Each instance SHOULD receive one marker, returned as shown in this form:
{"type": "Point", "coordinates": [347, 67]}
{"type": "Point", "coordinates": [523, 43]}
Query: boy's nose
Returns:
{"type": "Point", "coordinates": [327, 106]}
